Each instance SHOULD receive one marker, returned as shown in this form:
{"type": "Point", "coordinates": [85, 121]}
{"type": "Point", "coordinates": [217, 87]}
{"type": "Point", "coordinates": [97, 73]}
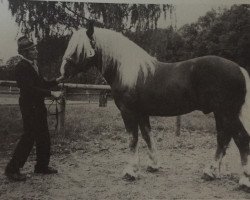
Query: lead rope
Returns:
{"type": "Point", "coordinates": [56, 104]}
{"type": "Point", "coordinates": [59, 102]}
{"type": "Point", "coordinates": [56, 115]}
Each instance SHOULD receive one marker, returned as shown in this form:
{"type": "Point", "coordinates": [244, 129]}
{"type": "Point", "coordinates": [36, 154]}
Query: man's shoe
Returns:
{"type": "Point", "coordinates": [15, 176]}
{"type": "Point", "coordinates": [45, 170]}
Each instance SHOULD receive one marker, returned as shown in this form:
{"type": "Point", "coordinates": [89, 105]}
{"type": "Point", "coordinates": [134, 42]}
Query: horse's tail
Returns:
{"type": "Point", "coordinates": [245, 109]}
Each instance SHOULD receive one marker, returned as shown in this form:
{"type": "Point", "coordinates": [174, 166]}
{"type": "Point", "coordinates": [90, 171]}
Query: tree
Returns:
{"type": "Point", "coordinates": [1, 62]}
{"type": "Point", "coordinates": [164, 44]}
{"type": "Point", "coordinates": [7, 70]}
{"type": "Point", "coordinates": [223, 33]}
{"type": "Point", "coordinates": [51, 22]}
{"type": "Point", "coordinates": [50, 18]}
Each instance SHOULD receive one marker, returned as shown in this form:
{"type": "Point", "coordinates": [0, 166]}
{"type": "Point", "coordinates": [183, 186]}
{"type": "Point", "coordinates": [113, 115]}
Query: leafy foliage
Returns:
{"type": "Point", "coordinates": [164, 44]}
{"type": "Point", "coordinates": [220, 33]}
{"type": "Point", "coordinates": [223, 32]}
{"type": "Point", "coordinates": [51, 50]}
{"type": "Point", "coordinates": [54, 18]}
{"type": "Point", "coordinates": [7, 70]}
{"type": "Point", "coordinates": [51, 23]}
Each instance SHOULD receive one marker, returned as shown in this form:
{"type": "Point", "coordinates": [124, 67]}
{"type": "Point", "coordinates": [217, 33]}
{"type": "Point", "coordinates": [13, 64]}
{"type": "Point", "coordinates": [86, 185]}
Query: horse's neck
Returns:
{"type": "Point", "coordinates": [109, 72]}
{"type": "Point", "coordinates": [107, 69]}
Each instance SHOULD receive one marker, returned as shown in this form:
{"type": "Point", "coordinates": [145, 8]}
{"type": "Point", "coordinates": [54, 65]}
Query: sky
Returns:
{"type": "Point", "coordinates": [8, 31]}
{"type": "Point", "coordinates": [187, 11]}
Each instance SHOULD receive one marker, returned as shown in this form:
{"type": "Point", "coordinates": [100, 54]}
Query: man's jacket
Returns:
{"type": "Point", "coordinates": [33, 87]}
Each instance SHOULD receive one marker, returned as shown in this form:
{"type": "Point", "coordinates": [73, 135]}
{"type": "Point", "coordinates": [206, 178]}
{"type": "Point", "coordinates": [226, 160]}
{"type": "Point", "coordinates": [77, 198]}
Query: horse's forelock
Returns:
{"type": "Point", "coordinates": [79, 44]}
{"type": "Point", "coordinates": [72, 45]}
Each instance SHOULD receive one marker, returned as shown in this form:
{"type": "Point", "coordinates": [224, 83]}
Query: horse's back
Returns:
{"type": "Point", "coordinates": [208, 83]}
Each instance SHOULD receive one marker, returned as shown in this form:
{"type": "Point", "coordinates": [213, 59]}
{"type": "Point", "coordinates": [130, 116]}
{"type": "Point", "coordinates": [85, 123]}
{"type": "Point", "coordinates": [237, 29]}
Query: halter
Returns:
{"type": "Point", "coordinates": [92, 43]}
{"type": "Point", "coordinates": [57, 112]}
{"type": "Point", "coordinates": [92, 52]}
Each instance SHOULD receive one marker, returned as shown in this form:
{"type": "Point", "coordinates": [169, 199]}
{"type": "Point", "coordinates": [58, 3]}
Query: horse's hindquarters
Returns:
{"type": "Point", "coordinates": [219, 85]}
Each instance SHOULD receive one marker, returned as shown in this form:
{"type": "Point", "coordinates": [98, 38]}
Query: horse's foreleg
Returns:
{"type": "Point", "coordinates": [223, 138]}
{"type": "Point", "coordinates": [152, 151]}
{"type": "Point", "coordinates": [132, 169]}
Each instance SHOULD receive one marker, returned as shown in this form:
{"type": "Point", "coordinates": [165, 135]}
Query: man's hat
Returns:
{"type": "Point", "coordinates": [24, 43]}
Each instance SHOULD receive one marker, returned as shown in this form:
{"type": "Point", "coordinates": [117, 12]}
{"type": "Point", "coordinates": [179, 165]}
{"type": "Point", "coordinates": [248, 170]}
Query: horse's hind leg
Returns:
{"type": "Point", "coordinates": [241, 139]}
{"type": "Point", "coordinates": [234, 128]}
{"type": "Point", "coordinates": [131, 124]}
{"type": "Point", "coordinates": [224, 135]}
{"type": "Point", "coordinates": [152, 151]}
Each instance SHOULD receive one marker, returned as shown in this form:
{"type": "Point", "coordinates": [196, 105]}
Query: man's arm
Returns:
{"type": "Point", "coordinates": [52, 83]}
{"type": "Point", "coordinates": [25, 82]}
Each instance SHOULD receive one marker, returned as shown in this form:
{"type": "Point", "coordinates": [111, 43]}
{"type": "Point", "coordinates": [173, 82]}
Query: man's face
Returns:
{"type": "Point", "coordinates": [32, 53]}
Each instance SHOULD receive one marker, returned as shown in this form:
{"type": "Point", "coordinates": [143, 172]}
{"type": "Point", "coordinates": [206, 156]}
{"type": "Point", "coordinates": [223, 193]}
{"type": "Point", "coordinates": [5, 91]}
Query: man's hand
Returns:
{"type": "Point", "coordinates": [57, 94]}
{"type": "Point", "coordinates": [60, 79]}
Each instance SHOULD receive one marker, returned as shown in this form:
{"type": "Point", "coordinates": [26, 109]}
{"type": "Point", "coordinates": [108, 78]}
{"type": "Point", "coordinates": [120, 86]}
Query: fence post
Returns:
{"type": "Point", "coordinates": [178, 126]}
{"type": "Point", "coordinates": [61, 115]}
{"type": "Point", "coordinates": [88, 95]}
{"type": "Point", "coordinates": [103, 98]}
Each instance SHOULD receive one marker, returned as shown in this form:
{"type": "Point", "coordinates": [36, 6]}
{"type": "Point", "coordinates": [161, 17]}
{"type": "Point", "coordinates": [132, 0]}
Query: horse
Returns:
{"type": "Point", "coordinates": [142, 87]}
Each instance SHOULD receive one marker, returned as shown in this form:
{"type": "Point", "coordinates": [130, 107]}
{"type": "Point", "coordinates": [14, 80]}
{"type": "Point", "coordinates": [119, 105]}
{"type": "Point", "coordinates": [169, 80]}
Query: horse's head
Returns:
{"type": "Point", "coordinates": [80, 53]}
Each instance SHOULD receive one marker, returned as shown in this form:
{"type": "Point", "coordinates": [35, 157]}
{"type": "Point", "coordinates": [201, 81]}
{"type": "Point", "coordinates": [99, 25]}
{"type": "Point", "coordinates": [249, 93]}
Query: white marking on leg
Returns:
{"type": "Point", "coordinates": [244, 180]}
{"type": "Point", "coordinates": [246, 167]}
{"type": "Point", "coordinates": [132, 167]}
{"type": "Point", "coordinates": [212, 171]}
{"type": "Point", "coordinates": [152, 154]}
{"type": "Point", "coordinates": [245, 109]}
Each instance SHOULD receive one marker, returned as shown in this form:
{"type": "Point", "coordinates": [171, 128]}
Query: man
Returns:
{"type": "Point", "coordinates": [33, 90]}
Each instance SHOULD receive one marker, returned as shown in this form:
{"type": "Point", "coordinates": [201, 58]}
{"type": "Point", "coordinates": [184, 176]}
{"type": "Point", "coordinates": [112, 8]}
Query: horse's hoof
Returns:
{"type": "Point", "coordinates": [128, 177]}
{"type": "Point", "coordinates": [209, 174]}
{"type": "Point", "coordinates": [208, 177]}
{"type": "Point", "coordinates": [244, 183]}
{"type": "Point", "coordinates": [152, 169]}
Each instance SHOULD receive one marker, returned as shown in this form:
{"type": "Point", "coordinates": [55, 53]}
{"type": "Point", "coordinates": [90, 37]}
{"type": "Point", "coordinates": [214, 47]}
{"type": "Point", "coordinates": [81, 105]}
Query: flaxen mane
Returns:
{"type": "Point", "coordinates": [116, 50]}
{"type": "Point", "coordinates": [129, 57]}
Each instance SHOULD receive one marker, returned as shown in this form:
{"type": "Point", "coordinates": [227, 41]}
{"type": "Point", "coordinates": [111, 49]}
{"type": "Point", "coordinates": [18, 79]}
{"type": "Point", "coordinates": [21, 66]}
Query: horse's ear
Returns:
{"type": "Point", "coordinates": [90, 29]}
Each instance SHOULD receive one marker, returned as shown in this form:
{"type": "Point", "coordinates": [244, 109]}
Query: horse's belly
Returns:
{"type": "Point", "coordinates": [166, 109]}
{"type": "Point", "coordinates": [169, 104]}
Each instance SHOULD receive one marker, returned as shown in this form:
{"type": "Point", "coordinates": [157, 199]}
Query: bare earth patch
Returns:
{"type": "Point", "coordinates": [91, 157]}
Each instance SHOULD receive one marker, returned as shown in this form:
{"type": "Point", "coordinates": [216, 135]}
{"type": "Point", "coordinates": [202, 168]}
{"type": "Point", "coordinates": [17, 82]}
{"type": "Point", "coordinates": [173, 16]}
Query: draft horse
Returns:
{"type": "Point", "coordinates": [142, 86]}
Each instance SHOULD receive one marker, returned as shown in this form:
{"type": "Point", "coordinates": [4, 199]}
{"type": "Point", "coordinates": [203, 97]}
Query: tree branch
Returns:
{"type": "Point", "coordinates": [80, 16]}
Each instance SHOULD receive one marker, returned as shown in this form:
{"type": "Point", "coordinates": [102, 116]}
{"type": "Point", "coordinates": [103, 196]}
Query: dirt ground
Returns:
{"type": "Point", "coordinates": [91, 169]}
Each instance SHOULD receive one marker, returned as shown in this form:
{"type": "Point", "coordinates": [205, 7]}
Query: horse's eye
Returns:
{"type": "Point", "coordinates": [70, 60]}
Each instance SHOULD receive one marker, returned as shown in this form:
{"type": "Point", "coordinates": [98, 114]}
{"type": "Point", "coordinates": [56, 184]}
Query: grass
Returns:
{"type": "Point", "coordinates": [89, 126]}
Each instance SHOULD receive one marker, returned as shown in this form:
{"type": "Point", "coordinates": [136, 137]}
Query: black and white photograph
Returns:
{"type": "Point", "coordinates": [124, 100]}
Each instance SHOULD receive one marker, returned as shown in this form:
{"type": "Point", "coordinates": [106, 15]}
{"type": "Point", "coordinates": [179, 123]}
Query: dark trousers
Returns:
{"type": "Point", "coordinates": [36, 131]}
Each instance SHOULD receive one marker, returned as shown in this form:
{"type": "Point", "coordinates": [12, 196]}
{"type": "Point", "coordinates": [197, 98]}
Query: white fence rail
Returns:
{"type": "Point", "coordinates": [62, 102]}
